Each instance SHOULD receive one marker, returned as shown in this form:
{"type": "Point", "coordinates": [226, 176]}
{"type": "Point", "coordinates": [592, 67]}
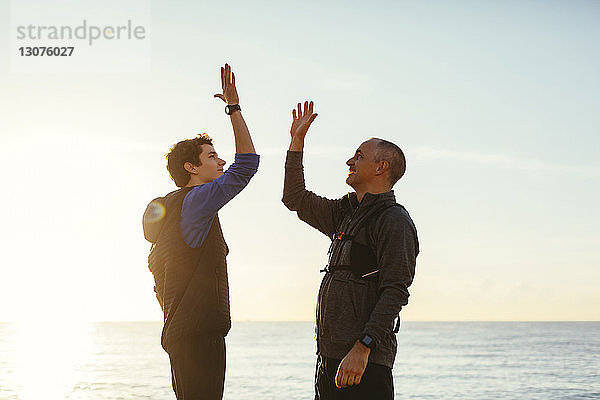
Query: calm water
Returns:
{"type": "Point", "coordinates": [462, 360]}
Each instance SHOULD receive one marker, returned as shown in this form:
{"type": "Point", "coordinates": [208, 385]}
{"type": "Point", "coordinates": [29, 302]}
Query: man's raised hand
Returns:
{"type": "Point", "coordinates": [301, 120]}
{"type": "Point", "coordinates": [230, 94]}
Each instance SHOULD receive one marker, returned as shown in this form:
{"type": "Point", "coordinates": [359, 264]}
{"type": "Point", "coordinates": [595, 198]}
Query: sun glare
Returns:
{"type": "Point", "coordinates": [48, 355]}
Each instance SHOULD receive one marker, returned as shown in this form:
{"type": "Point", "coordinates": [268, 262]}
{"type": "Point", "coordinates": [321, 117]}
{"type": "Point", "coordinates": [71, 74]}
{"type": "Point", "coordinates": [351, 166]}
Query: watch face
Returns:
{"type": "Point", "coordinates": [367, 340]}
{"type": "Point", "coordinates": [227, 110]}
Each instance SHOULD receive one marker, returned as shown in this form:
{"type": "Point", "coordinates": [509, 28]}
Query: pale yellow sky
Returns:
{"type": "Point", "coordinates": [502, 176]}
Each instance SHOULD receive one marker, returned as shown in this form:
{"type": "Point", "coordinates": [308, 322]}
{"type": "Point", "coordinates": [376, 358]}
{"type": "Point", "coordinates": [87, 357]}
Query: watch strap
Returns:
{"type": "Point", "coordinates": [231, 108]}
{"type": "Point", "coordinates": [367, 341]}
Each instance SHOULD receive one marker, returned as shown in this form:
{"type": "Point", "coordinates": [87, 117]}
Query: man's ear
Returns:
{"type": "Point", "coordinates": [382, 167]}
{"type": "Point", "coordinates": [191, 168]}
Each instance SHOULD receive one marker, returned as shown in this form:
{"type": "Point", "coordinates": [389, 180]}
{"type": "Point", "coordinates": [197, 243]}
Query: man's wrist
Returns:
{"type": "Point", "coordinates": [367, 340]}
{"type": "Point", "coordinates": [362, 348]}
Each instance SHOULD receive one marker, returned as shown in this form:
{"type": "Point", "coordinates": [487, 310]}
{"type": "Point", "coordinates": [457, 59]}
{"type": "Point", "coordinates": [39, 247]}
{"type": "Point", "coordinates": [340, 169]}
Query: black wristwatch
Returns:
{"type": "Point", "coordinates": [230, 109]}
{"type": "Point", "coordinates": [367, 341]}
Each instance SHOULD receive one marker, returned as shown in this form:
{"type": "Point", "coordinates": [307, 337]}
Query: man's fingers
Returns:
{"type": "Point", "coordinates": [338, 378]}
{"type": "Point", "coordinates": [357, 379]}
{"type": "Point", "coordinates": [294, 114]}
{"type": "Point", "coordinates": [310, 107]}
{"type": "Point", "coordinates": [312, 118]}
{"type": "Point", "coordinates": [345, 377]}
{"type": "Point", "coordinates": [350, 379]}
{"type": "Point", "coordinates": [299, 110]}
{"type": "Point", "coordinates": [220, 96]}
{"type": "Point", "coordinates": [341, 378]}
{"type": "Point", "coordinates": [233, 79]}
{"type": "Point", "coordinates": [305, 107]}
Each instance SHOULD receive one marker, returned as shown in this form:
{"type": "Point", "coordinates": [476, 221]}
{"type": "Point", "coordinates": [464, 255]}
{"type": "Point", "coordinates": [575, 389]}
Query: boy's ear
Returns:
{"type": "Point", "coordinates": [191, 168]}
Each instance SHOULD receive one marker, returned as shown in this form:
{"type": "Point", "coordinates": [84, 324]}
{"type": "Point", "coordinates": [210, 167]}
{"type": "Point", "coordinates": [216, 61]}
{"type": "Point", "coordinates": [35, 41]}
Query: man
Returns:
{"type": "Point", "coordinates": [371, 264]}
{"type": "Point", "coordinates": [187, 258]}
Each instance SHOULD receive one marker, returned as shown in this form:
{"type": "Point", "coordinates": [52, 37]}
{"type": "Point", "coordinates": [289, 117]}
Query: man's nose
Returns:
{"type": "Point", "coordinates": [350, 162]}
{"type": "Point", "coordinates": [222, 162]}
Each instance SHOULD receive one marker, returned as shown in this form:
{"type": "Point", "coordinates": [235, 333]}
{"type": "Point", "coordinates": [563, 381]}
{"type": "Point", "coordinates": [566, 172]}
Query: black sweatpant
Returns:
{"type": "Point", "coordinates": [198, 368]}
{"type": "Point", "coordinates": [376, 383]}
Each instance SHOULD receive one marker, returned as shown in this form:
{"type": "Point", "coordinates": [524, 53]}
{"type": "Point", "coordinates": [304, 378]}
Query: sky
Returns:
{"type": "Point", "coordinates": [495, 105]}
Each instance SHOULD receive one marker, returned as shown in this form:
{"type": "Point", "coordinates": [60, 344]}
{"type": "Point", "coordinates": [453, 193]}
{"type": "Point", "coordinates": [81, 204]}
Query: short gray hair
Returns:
{"type": "Point", "coordinates": [388, 151]}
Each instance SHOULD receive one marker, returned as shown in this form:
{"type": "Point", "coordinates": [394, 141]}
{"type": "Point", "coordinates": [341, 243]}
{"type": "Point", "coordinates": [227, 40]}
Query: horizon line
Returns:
{"type": "Point", "coordinates": [312, 321]}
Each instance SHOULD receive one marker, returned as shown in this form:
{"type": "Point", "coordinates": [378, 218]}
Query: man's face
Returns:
{"type": "Point", "coordinates": [211, 166]}
{"type": "Point", "coordinates": [362, 165]}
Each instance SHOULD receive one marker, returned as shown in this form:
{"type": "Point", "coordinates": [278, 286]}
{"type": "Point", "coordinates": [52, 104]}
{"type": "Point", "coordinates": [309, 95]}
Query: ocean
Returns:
{"type": "Point", "coordinates": [275, 360]}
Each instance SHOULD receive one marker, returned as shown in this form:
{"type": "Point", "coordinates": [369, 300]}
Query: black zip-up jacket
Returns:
{"type": "Point", "coordinates": [350, 306]}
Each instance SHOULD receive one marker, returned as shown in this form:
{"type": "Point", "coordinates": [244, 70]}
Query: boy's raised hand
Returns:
{"type": "Point", "coordinates": [230, 94]}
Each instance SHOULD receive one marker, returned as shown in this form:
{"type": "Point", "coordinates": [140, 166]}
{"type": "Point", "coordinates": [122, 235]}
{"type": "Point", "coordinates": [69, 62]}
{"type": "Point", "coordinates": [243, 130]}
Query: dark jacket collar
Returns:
{"type": "Point", "coordinates": [370, 199]}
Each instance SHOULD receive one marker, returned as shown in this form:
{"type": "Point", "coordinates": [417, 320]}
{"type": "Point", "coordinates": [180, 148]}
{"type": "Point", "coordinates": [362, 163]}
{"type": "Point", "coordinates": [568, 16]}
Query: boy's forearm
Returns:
{"type": "Point", "coordinates": [296, 144]}
{"type": "Point", "coordinates": [243, 140]}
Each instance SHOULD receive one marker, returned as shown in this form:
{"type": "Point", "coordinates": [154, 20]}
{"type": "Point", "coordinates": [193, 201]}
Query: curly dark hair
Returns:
{"type": "Point", "coordinates": [185, 151]}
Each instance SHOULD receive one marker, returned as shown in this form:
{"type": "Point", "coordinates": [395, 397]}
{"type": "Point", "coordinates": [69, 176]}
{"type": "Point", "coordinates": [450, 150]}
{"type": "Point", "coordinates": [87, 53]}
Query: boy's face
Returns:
{"type": "Point", "coordinates": [211, 166]}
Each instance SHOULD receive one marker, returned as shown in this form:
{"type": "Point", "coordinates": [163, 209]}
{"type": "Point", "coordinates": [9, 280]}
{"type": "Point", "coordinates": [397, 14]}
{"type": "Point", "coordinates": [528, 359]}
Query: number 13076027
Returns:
{"type": "Point", "coordinates": [46, 51]}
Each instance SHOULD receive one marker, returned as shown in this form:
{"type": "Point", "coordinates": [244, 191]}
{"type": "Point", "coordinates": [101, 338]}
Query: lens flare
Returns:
{"type": "Point", "coordinates": [154, 213]}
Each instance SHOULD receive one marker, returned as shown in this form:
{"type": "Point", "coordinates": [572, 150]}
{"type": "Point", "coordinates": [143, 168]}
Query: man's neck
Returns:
{"type": "Point", "coordinates": [359, 195]}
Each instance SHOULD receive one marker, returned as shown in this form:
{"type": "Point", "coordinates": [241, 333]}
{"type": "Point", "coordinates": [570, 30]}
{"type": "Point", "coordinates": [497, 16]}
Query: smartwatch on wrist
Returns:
{"type": "Point", "coordinates": [230, 109]}
{"type": "Point", "coordinates": [367, 341]}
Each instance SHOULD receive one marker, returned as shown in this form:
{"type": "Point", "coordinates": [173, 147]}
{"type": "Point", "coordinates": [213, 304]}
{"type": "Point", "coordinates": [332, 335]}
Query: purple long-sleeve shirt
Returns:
{"type": "Point", "coordinates": [203, 202]}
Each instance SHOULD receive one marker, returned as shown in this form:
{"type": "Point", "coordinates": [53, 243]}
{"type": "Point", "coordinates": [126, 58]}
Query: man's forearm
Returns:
{"type": "Point", "coordinates": [319, 212]}
{"type": "Point", "coordinates": [385, 312]}
{"type": "Point", "coordinates": [397, 249]}
{"type": "Point", "coordinates": [243, 141]}
{"type": "Point", "coordinates": [293, 181]}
